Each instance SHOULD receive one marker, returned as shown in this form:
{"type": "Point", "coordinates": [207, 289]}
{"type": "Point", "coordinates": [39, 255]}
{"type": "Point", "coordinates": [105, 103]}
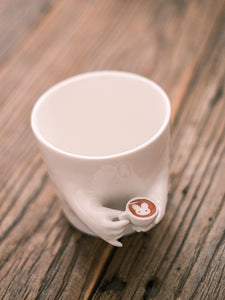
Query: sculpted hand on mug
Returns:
{"type": "Point", "coordinates": [101, 220]}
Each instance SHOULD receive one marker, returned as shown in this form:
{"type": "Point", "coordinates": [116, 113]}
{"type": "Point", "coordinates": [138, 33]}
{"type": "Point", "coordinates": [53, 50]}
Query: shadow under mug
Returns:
{"type": "Point", "coordinates": [104, 137]}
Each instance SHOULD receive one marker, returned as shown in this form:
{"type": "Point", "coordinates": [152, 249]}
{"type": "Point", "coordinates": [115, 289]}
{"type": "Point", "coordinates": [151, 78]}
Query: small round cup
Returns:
{"type": "Point", "coordinates": [141, 212]}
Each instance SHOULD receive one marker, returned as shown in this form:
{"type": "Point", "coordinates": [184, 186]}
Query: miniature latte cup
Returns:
{"type": "Point", "coordinates": [104, 137]}
{"type": "Point", "coordinates": [141, 212]}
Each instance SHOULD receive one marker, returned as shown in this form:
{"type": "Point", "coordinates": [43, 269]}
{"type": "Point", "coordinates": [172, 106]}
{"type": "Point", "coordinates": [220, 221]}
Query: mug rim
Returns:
{"type": "Point", "coordinates": [94, 74]}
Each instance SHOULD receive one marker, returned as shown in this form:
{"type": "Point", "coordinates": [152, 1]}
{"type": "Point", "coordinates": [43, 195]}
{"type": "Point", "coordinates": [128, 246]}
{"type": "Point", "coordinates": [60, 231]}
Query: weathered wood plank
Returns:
{"type": "Point", "coordinates": [41, 256]}
{"type": "Point", "coordinates": [18, 18]}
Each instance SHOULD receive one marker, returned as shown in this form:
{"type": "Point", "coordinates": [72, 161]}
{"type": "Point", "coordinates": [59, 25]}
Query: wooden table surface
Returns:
{"type": "Point", "coordinates": [178, 44]}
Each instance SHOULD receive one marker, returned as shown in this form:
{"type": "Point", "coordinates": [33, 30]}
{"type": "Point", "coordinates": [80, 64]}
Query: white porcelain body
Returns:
{"type": "Point", "coordinates": [93, 190]}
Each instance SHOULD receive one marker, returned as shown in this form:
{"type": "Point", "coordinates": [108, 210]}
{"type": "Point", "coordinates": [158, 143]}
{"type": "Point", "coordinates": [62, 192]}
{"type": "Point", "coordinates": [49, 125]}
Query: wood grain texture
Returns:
{"type": "Point", "coordinates": [180, 45]}
{"type": "Point", "coordinates": [17, 19]}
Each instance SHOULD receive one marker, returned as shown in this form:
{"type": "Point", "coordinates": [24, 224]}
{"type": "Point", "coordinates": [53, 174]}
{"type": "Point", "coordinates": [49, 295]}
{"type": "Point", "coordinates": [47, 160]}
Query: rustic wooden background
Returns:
{"type": "Point", "coordinates": [180, 45]}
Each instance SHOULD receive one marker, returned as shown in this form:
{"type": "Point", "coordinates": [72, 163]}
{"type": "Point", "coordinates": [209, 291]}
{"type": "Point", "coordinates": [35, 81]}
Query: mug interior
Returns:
{"type": "Point", "coordinates": [101, 113]}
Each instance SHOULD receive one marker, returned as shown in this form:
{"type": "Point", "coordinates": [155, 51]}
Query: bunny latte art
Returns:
{"type": "Point", "coordinates": [142, 208]}
{"type": "Point", "coordinates": [141, 212]}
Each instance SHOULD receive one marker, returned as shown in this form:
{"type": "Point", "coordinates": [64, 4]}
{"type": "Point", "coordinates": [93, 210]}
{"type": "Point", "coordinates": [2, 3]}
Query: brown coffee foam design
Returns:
{"type": "Point", "coordinates": [139, 202]}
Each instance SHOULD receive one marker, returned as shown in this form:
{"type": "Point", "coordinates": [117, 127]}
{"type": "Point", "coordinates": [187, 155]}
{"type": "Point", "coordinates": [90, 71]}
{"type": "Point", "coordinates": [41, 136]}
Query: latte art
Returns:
{"type": "Point", "coordinates": [142, 208]}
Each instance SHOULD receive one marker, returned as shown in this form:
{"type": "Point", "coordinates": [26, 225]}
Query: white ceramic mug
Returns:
{"type": "Point", "coordinates": [104, 137]}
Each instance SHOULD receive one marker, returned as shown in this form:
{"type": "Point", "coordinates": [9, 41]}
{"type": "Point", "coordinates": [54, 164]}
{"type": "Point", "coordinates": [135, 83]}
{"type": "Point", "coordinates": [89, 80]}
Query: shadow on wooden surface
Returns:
{"type": "Point", "coordinates": [180, 45]}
